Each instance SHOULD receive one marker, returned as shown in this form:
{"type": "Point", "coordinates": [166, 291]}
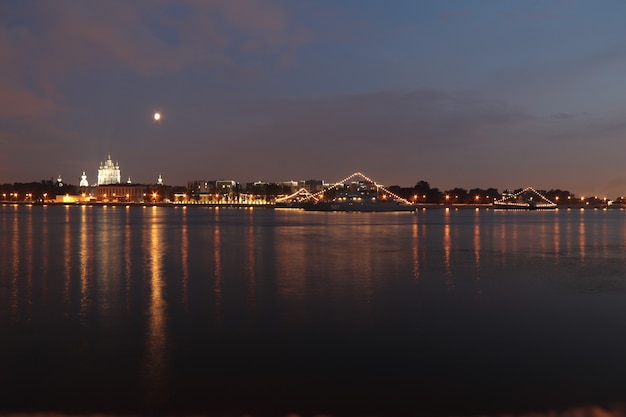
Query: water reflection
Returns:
{"type": "Point", "coordinates": [67, 256]}
{"type": "Point", "coordinates": [415, 251]}
{"type": "Point", "coordinates": [45, 249]}
{"type": "Point", "coordinates": [447, 256]}
{"type": "Point", "coordinates": [128, 258]}
{"type": "Point", "coordinates": [581, 238]}
{"type": "Point", "coordinates": [84, 262]}
{"type": "Point", "coordinates": [15, 271]}
{"type": "Point", "coordinates": [250, 263]}
{"type": "Point", "coordinates": [556, 232]}
{"type": "Point", "coordinates": [291, 258]}
{"type": "Point", "coordinates": [105, 266]}
{"type": "Point", "coordinates": [350, 284]}
{"type": "Point", "coordinates": [217, 253]}
{"type": "Point", "coordinates": [156, 337]}
{"type": "Point", "coordinates": [29, 257]}
{"type": "Point", "coordinates": [184, 257]}
{"type": "Point", "coordinates": [477, 250]}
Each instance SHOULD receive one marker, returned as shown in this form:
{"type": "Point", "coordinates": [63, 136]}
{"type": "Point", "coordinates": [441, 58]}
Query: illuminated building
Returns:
{"type": "Point", "coordinates": [124, 193]}
{"type": "Point", "coordinates": [83, 181]}
{"type": "Point", "coordinates": [109, 173]}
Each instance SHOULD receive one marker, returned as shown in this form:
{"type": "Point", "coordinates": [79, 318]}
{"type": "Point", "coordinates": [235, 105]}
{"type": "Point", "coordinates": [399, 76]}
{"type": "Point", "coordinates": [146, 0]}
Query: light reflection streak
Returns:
{"type": "Point", "coordinates": [29, 256]}
{"type": "Point", "coordinates": [128, 262]}
{"type": "Point", "coordinates": [44, 250]}
{"type": "Point", "coordinates": [104, 256]}
{"type": "Point", "coordinates": [156, 338]}
{"type": "Point", "coordinates": [447, 256]}
{"type": "Point", "coordinates": [4, 266]}
{"type": "Point", "coordinates": [250, 260]}
{"type": "Point", "coordinates": [557, 241]}
{"type": "Point", "coordinates": [113, 282]}
{"type": "Point", "coordinates": [84, 263]}
{"type": "Point", "coordinates": [15, 292]}
{"type": "Point", "coordinates": [477, 246]}
{"type": "Point", "coordinates": [67, 256]}
{"type": "Point", "coordinates": [415, 252]}
{"type": "Point", "coordinates": [217, 253]}
{"type": "Point", "coordinates": [581, 237]}
{"type": "Point", "coordinates": [184, 256]}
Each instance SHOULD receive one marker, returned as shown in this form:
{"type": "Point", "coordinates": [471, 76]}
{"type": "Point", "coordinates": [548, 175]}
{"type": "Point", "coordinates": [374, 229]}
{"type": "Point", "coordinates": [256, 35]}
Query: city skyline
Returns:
{"type": "Point", "coordinates": [480, 94]}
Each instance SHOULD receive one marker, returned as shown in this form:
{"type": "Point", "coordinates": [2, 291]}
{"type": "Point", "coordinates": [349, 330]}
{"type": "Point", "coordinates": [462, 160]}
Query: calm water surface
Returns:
{"type": "Point", "coordinates": [174, 311]}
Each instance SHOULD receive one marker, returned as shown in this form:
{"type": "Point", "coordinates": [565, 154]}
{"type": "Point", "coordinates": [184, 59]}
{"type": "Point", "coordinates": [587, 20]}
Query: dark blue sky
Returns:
{"type": "Point", "coordinates": [458, 93]}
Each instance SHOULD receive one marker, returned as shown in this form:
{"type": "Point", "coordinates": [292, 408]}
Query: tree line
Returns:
{"type": "Point", "coordinates": [420, 193]}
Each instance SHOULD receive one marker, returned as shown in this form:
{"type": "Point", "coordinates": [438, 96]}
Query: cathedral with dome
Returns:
{"type": "Point", "coordinates": [110, 188]}
{"type": "Point", "coordinates": [109, 173]}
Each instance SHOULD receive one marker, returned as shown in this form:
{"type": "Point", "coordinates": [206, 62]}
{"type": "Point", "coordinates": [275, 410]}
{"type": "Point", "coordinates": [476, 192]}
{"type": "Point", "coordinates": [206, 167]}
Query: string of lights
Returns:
{"type": "Point", "coordinates": [301, 192]}
{"type": "Point", "coordinates": [507, 199]}
{"type": "Point", "coordinates": [316, 196]}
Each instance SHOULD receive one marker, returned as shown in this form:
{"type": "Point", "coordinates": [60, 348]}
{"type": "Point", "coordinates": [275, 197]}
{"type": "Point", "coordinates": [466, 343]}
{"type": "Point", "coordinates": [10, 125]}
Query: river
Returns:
{"type": "Point", "coordinates": [205, 311]}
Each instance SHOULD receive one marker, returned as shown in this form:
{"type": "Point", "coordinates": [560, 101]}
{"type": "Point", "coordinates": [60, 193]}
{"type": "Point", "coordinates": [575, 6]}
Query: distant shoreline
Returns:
{"type": "Point", "coordinates": [418, 207]}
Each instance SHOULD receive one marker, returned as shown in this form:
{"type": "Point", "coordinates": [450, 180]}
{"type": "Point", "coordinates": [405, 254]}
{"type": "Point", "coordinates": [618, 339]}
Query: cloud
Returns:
{"type": "Point", "coordinates": [43, 44]}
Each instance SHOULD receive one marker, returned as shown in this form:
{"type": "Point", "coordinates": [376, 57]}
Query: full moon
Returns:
{"type": "Point", "coordinates": [157, 116]}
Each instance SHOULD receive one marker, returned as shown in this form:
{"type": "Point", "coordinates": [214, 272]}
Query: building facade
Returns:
{"type": "Point", "coordinates": [109, 173]}
{"type": "Point", "coordinates": [130, 193]}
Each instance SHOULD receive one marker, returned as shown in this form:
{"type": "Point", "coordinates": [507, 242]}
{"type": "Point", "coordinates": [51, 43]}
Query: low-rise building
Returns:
{"type": "Point", "coordinates": [136, 193]}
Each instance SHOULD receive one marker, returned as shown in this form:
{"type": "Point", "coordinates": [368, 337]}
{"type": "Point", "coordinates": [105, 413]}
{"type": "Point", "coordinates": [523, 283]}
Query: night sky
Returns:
{"type": "Point", "coordinates": [488, 93]}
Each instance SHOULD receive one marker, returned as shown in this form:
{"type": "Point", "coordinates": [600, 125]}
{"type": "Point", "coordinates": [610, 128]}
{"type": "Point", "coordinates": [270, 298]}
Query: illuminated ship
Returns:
{"type": "Point", "coordinates": [527, 199]}
{"type": "Point", "coordinates": [357, 203]}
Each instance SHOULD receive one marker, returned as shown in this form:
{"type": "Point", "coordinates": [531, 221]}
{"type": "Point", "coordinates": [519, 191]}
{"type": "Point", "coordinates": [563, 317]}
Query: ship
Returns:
{"type": "Point", "coordinates": [526, 199]}
{"type": "Point", "coordinates": [355, 203]}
